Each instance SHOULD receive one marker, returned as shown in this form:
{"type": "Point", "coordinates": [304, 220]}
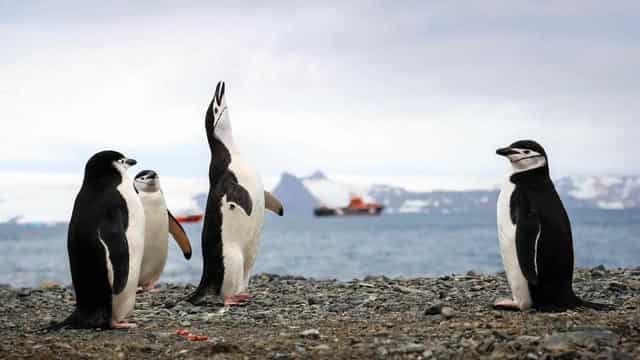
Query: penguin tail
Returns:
{"type": "Point", "coordinates": [583, 304]}
{"type": "Point", "coordinates": [58, 326]}
{"type": "Point", "coordinates": [194, 298]}
{"type": "Point", "coordinates": [579, 303]}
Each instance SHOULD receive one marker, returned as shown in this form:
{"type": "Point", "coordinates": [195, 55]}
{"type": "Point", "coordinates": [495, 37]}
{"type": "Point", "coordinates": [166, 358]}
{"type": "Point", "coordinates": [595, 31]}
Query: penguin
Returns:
{"type": "Point", "coordinates": [159, 223]}
{"type": "Point", "coordinates": [234, 212]}
{"type": "Point", "coordinates": [105, 244]}
{"type": "Point", "coordinates": [534, 232]}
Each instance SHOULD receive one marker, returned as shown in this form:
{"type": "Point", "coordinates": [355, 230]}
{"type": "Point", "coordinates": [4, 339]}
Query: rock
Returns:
{"type": "Point", "coordinates": [322, 347]}
{"type": "Point", "coordinates": [448, 312]}
{"type": "Point", "coordinates": [382, 351]}
{"type": "Point", "coordinates": [311, 334]}
{"type": "Point", "coordinates": [314, 300]}
{"type": "Point", "coordinates": [592, 339]}
{"type": "Point", "coordinates": [439, 309]}
{"type": "Point", "coordinates": [485, 346]}
{"type": "Point", "coordinates": [63, 346]}
{"type": "Point", "coordinates": [616, 355]}
{"type": "Point", "coordinates": [528, 339]}
{"type": "Point", "coordinates": [408, 348]}
{"type": "Point", "coordinates": [281, 356]}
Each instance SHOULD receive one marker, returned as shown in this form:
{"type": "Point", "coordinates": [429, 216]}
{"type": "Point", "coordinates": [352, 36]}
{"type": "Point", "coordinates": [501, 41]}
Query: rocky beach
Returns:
{"type": "Point", "coordinates": [291, 317]}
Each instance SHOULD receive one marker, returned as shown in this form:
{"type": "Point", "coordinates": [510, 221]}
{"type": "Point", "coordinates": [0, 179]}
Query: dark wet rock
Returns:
{"type": "Point", "coordinates": [438, 309]}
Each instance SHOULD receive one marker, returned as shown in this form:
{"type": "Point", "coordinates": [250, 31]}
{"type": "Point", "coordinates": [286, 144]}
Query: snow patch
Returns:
{"type": "Point", "coordinates": [613, 205]}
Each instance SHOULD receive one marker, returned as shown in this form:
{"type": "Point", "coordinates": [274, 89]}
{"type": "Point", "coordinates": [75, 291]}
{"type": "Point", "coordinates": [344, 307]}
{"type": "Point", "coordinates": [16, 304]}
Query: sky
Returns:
{"type": "Point", "coordinates": [373, 91]}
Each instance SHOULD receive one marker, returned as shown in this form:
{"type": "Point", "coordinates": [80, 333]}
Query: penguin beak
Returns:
{"type": "Point", "coordinates": [130, 162]}
{"type": "Point", "coordinates": [506, 151]}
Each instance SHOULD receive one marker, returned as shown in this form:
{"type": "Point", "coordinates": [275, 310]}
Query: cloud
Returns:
{"type": "Point", "coordinates": [362, 88]}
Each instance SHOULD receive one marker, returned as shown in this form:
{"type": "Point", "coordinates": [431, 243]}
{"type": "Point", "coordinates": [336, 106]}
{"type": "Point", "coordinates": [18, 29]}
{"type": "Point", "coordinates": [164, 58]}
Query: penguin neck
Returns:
{"type": "Point", "coordinates": [100, 181]}
{"type": "Point", "coordinates": [538, 176]}
{"type": "Point", "coordinates": [226, 139]}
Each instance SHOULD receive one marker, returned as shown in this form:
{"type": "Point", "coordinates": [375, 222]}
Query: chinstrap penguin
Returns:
{"type": "Point", "coordinates": [105, 244]}
{"type": "Point", "coordinates": [234, 212]}
{"type": "Point", "coordinates": [535, 235]}
{"type": "Point", "coordinates": [159, 223]}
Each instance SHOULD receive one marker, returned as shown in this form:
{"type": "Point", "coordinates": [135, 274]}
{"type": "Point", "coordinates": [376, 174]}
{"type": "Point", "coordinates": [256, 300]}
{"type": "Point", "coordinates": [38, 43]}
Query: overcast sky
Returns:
{"type": "Point", "coordinates": [360, 88]}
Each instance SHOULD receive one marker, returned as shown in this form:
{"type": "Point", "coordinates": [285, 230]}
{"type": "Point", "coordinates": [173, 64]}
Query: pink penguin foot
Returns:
{"type": "Point", "coordinates": [148, 288]}
{"type": "Point", "coordinates": [237, 299]}
{"type": "Point", "coordinates": [506, 304]}
{"type": "Point", "coordinates": [243, 296]}
{"type": "Point", "coordinates": [122, 325]}
{"type": "Point", "coordinates": [230, 301]}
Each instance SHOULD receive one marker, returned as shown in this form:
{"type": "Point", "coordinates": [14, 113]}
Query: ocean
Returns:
{"type": "Point", "coordinates": [347, 248]}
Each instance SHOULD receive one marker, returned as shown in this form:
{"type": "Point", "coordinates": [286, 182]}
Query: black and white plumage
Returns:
{"type": "Point", "coordinates": [159, 224]}
{"type": "Point", "coordinates": [105, 243]}
{"type": "Point", "coordinates": [234, 213]}
{"type": "Point", "coordinates": [536, 243]}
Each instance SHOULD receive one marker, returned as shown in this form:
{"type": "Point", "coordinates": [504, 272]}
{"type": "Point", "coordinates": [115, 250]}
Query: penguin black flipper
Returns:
{"type": "Point", "coordinates": [180, 236]}
{"type": "Point", "coordinates": [272, 203]}
{"type": "Point", "coordinates": [237, 194]}
{"type": "Point", "coordinates": [112, 235]}
{"type": "Point", "coordinates": [528, 231]}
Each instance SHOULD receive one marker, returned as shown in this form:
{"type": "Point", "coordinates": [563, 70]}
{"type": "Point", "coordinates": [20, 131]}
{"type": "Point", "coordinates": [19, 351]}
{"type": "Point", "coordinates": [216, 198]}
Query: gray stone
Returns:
{"type": "Point", "coordinates": [408, 348]}
{"type": "Point", "coordinates": [567, 341]}
{"type": "Point", "coordinates": [322, 347]}
{"type": "Point", "coordinates": [311, 334]}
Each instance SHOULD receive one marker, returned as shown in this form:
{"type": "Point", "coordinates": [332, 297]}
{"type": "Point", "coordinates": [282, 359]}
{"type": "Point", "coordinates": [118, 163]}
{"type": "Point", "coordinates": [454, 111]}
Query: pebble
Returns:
{"type": "Point", "coordinates": [311, 334]}
{"type": "Point", "coordinates": [322, 347]}
{"type": "Point", "coordinates": [290, 317]}
{"type": "Point", "coordinates": [408, 348]}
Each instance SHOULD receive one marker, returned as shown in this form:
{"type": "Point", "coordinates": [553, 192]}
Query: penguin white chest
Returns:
{"type": "Point", "coordinates": [156, 237]}
{"type": "Point", "coordinates": [508, 251]}
{"type": "Point", "coordinates": [124, 302]}
{"type": "Point", "coordinates": [241, 231]}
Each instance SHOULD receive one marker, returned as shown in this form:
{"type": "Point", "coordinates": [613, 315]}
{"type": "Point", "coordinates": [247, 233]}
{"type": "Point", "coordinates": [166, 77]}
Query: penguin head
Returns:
{"type": "Point", "coordinates": [147, 181]}
{"type": "Point", "coordinates": [524, 155]}
{"type": "Point", "coordinates": [217, 117]}
{"type": "Point", "coordinates": [106, 165]}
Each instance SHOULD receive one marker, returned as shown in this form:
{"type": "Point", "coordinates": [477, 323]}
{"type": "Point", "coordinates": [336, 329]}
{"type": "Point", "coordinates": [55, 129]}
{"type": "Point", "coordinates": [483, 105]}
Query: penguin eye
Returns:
{"type": "Point", "coordinates": [231, 206]}
{"type": "Point", "coordinates": [527, 151]}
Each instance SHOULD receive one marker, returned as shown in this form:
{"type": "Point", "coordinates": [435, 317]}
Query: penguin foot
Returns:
{"type": "Point", "coordinates": [122, 325]}
{"type": "Point", "coordinates": [506, 304]}
{"type": "Point", "coordinates": [238, 299]}
{"type": "Point", "coordinates": [242, 296]}
{"type": "Point", "coordinates": [148, 288]}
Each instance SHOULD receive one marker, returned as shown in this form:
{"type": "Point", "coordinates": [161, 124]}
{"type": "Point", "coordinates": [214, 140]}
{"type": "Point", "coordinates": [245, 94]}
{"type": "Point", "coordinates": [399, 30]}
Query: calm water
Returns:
{"type": "Point", "coordinates": [345, 248]}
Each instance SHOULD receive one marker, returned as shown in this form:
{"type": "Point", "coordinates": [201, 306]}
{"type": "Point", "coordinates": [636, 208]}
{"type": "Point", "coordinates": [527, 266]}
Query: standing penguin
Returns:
{"type": "Point", "coordinates": [105, 244]}
{"type": "Point", "coordinates": [159, 223]}
{"type": "Point", "coordinates": [234, 213]}
{"type": "Point", "coordinates": [535, 234]}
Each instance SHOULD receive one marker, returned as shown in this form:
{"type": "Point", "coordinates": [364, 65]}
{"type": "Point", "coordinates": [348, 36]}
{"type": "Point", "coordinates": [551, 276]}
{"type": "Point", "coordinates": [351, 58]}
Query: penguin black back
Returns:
{"type": "Point", "coordinates": [543, 238]}
{"type": "Point", "coordinates": [98, 250]}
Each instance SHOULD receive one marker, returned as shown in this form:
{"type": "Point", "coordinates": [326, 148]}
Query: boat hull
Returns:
{"type": "Point", "coordinates": [323, 212]}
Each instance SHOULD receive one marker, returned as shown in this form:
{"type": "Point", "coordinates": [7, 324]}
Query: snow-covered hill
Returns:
{"type": "Point", "coordinates": [30, 197]}
{"type": "Point", "coordinates": [301, 195]}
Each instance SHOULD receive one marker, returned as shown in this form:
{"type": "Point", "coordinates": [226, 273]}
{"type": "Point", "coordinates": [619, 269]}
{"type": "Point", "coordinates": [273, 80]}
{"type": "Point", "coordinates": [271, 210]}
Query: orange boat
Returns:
{"type": "Point", "coordinates": [189, 218]}
{"type": "Point", "coordinates": [356, 207]}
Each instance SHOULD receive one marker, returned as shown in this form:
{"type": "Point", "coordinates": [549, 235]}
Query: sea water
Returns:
{"type": "Point", "coordinates": [347, 247]}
